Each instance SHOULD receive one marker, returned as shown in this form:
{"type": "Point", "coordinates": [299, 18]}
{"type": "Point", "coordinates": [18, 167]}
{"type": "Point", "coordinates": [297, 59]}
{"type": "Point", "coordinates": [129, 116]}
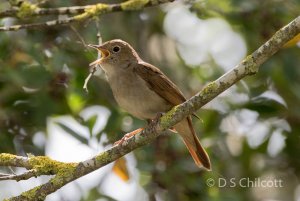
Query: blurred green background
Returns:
{"type": "Point", "coordinates": [42, 72]}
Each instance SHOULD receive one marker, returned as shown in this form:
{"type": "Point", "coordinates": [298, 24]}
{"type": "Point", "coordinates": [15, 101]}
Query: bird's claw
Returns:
{"type": "Point", "coordinates": [124, 139]}
{"type": "Point", "coordinates": [153, 122]}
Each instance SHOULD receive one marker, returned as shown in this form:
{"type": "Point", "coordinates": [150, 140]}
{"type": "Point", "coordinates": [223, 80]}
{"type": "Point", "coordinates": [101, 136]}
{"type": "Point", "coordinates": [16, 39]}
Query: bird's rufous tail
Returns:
{"type": "Point", "coordinates": [187, 132]}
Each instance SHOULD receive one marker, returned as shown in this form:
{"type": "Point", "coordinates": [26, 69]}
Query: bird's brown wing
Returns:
{"type": "Point", "coordinates": [160, 83]}
{"type": "Point", "coordinates": [164, 87]}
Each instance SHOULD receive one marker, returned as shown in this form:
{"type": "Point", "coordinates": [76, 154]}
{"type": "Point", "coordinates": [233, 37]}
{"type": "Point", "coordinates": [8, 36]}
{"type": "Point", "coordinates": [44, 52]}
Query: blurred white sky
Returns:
{"type": "Point", "coordinates": [199, 41]}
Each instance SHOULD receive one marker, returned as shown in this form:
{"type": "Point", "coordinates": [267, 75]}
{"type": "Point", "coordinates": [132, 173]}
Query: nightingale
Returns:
{"type": "Point", "coordinates": [144, 91]}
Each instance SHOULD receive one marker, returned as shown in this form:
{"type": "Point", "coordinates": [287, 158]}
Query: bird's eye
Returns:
{"type": "Point", "coordinates": [116, 49]}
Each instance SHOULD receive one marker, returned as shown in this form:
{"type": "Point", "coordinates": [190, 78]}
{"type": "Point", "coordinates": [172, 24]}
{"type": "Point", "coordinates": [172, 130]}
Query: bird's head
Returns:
{"type": "Point", "coordinates": [115, 54]}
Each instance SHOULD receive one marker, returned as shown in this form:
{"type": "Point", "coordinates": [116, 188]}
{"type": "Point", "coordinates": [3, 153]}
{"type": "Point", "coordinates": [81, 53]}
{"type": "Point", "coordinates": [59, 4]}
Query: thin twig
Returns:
{"type": "Point", "coordinates": [94, 69]}
{"type": "Point", "coordinates": [82, 13]}
{"type": "Point", "coordinates": [14, 161]}
{"type": "Point", "coordinates": [78, 35]}
{"type": "Point", "coordinates": [24, 176]}
{"type": "Point", "coordinates": [39, 25]}
{"type": "Point", "coordinates": [5, 175]}
{"type": "Point", "coordinates": [99, 36]}
{"type": "Point", "coordinates": [71, 10]}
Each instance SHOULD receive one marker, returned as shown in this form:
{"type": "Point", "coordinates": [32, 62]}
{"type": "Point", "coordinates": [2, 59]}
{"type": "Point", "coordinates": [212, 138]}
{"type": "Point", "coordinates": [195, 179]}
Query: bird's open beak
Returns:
{"type": "Point", "coordinates": [104, 54]}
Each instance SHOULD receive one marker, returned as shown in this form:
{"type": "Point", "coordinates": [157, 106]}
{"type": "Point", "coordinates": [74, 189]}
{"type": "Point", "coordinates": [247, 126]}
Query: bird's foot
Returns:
{"type": "Point", "coordinates": [153, 122]}
{"type": "Point", "coordinates": [172, 129]}
{"type": "Point", "coordinates": [127, 136]}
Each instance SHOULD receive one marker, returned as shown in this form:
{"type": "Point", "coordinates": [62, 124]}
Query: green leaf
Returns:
{"type": "Point", "coordinates": [72, 132]}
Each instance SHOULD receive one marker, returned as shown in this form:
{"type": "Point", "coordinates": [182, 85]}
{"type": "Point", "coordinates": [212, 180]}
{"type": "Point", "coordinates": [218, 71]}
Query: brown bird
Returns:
{"type": "Point", "coordinates": [144, 91]}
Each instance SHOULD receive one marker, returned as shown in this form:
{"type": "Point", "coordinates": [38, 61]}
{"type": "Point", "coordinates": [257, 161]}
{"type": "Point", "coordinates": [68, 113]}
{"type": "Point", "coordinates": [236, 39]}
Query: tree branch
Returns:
{"type": "Point", "coordinates": [81, 12]}
{"type": "Point", "coordinates": [67, 172]}
{"type": "Point", "coordinates": [19, 177]}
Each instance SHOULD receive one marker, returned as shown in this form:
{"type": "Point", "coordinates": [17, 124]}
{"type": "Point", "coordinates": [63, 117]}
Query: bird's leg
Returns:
{"type": "Point", "coordinates": [128, 135]}
{"type": "Point", "coordinates": [153, 122]}
{"type": "Point", "coordinates": [172, 129]}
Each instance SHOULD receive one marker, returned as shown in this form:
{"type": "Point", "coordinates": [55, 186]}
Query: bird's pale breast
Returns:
{"type": "Point", "coordinates": [133, 95]}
